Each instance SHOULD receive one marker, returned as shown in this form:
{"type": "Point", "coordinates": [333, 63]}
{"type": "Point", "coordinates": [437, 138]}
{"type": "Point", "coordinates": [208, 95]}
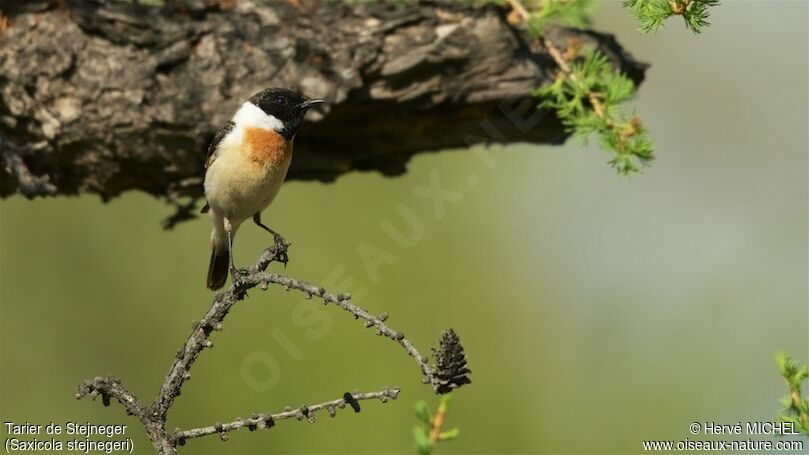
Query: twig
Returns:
{"type": "Point", "coordinates": [553, 51]}
{"type": "Point", "coordinates": [679, 8]}
{"type": "Point", "coordinates": [182, 211]}
{"type": "Point", "coordinates": [557, 56]}
{"type": "Point", "coordinates": [344, 302]}
{"type": "Point", "coordinates": [266, 421]}
{"type": "Point", "coordinates": [517, 6]}
{"type": "Point", "coordinates": [255, 276]}
{"type": "Point", "coordinates": [436, 423]}
{"type": "Point", "coordinates": [110, 387]}
{"type": "Point", "coordinates": [154, 417]}
{"type": "Point", "coordinates": [562, 61]}
{"type": "Point", "coordinates": [564, 66]}
{"type": "Point", "coordinates": [29, 184]}
{"type": "Point", "coordinates": [198, 340]}
{"type": "Point", "coordinates": [795, 402]}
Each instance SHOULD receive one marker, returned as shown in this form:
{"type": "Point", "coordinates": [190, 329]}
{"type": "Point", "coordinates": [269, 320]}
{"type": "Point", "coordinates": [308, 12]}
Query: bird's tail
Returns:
{"type": "Point", "coordinates": [220, 261]}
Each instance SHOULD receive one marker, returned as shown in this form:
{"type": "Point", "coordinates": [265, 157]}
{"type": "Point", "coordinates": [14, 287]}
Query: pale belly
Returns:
{"type": "Point", "coordinates": [237, 188]}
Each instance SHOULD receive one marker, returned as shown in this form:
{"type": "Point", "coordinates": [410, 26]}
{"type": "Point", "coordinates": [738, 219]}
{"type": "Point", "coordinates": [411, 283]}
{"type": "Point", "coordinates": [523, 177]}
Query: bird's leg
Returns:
{"type": "Point", "coordinates": [280, 243]}
{"type": "Point", "coordinates": [235, 273]}
{"type": "Point", "coordinates": [230, 251]}
{"type": "Point", "coordinates": [257, 220]}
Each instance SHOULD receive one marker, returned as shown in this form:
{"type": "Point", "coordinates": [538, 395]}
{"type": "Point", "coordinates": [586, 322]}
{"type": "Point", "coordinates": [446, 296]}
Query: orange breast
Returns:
{"type": "Point", "coordinates": [266, 148]}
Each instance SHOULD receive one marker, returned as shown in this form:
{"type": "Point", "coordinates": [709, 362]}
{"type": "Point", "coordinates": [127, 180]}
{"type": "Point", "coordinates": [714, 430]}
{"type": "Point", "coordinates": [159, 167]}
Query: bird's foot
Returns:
{"type": "Point", "coordinates": [281, 249]}
{"type": "Point", "coordinates": [238, 275]}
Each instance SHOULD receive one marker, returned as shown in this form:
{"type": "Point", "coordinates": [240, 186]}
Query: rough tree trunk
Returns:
{"type": "Point", "coordinates": [104, 97]}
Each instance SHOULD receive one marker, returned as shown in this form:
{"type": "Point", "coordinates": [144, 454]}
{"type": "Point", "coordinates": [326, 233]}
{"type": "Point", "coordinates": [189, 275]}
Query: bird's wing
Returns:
{"type": "Point", "coordinates": [213, 151]}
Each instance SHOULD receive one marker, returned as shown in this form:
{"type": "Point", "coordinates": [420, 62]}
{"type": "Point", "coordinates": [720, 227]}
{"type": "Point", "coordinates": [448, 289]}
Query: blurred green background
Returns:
{"type": "Point", "coordinates": [597, 311]}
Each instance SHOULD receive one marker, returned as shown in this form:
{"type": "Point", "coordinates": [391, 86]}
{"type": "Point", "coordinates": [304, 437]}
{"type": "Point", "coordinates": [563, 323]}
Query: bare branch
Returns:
{"type": "Point", "coordinates": [198, 340]}
{"type": "Point", "coordinates": [110, 387]}
{"type": "Point", "coordinates": [154, 417]}
{"type": "Point", "coordinates": [29, 185]}
{"type": "Point", "coordinates": [266, 421]}
{"type": "Point", "coordinates": [344, 302]}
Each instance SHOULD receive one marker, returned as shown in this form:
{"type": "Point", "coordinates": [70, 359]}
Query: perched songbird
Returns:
{"type": "Point", "coordinates": [246, 165]}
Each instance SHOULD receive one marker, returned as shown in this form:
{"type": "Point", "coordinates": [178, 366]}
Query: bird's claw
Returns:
{"type": "Point", "coordinates": [238, 275]}
{"type": "Point", "coordinates": [281, 249]}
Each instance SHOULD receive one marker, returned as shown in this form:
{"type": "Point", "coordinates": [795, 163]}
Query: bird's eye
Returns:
{"type": "Point", "coordinates": [282, 101]}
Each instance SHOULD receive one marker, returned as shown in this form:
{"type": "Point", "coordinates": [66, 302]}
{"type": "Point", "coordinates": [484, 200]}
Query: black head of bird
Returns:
{"type": "Point", "coordinates": [286, 105]}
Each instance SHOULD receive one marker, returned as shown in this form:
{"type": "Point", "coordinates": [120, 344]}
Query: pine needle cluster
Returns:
{"type": "Point", "coordinates": [796, 407]}
{"type": "Point", "coordinates": [572, 13]}
{"type": "Point", "coordinates": [651, 14]}
{"type": "Point", "coordinates": [429, 431]}
{"type": "Point", "coordinates": [588, 98]}
{"type": "Point", "coordinates": [588, 92]}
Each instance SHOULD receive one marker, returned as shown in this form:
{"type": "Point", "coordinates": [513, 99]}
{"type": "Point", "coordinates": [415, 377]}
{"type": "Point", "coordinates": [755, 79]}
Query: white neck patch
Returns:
{"type": "Point", "coordinates": [251, 115]}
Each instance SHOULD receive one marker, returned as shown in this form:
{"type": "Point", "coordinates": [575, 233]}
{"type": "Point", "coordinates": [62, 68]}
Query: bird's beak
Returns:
{"type": "Point", "coordinates": [309, 103]}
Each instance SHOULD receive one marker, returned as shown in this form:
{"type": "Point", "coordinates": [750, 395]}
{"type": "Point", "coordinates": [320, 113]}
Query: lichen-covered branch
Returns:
{"type": "Point", "coordinates": [267, 421]}
{"type": "Point", "coordinates": [110, 387]}
{"type": "Point", "coordinates": [198, 340]}
{"type": "Point", "coordinates": [447, 374]}
{"type": "Point", "coordinates": [344, 302]}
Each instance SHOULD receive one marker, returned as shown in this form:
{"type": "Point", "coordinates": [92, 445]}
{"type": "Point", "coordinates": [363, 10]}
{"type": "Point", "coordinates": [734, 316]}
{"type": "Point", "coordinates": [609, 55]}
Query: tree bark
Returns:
{"type": "Point", "coordinates": [105, 97]}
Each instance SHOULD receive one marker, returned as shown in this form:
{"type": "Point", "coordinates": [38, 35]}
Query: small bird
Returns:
{"type": "Point", "coordinates": [246, 164]}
